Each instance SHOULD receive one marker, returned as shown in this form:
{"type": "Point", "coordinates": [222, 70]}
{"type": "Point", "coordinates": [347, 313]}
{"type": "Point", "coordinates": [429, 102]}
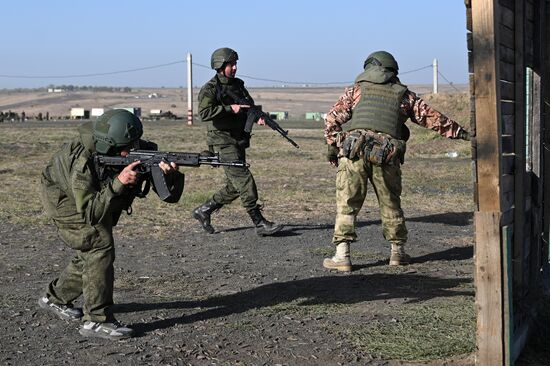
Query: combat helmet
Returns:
{"type": "Point", "coordinates": [221, 56]}
{"type": "Point", "coordinates": [382, 58]}
{"type": "Point", "coordinates": [116, 128]}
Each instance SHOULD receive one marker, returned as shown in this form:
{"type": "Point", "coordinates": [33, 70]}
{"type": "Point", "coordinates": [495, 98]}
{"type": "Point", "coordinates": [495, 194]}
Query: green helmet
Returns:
{"type": "Point", "coordinates": [116, 128]}
{"type": "Point", "coordinates": [382, 58]}
{"type": "Point", "coordinates": [221, 56]}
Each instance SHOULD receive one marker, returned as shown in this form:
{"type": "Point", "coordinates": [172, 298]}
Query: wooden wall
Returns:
{"type": "Point", "coordinates": [506, 45]}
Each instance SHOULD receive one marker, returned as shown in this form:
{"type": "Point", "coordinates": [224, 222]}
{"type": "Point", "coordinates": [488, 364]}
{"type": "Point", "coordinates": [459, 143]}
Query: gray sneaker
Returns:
{"type": "Point", "coordinates": [113, 330]}
{"type": "Point", "coordinates": [66, 312]}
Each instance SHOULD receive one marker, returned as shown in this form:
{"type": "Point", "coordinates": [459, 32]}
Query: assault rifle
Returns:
{"type": "Point", "coordinates": [150, 160]}
{"type": "Point", "coordinates": [254, 113]}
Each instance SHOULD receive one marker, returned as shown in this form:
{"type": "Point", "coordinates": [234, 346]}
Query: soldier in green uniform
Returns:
{"type": "Point", "coordinates": [225, 121]}
{"type": "Point", "coordinates": [378, 106]}
{"type": "Point", "coordinates": [85, 203]}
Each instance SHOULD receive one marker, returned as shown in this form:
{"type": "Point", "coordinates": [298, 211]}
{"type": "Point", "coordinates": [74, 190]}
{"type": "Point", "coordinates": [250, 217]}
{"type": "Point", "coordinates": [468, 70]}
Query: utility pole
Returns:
{"type": "Point", "coordinates": [435, 76]}
{"type": "Point", "coordinates": [189, 89]}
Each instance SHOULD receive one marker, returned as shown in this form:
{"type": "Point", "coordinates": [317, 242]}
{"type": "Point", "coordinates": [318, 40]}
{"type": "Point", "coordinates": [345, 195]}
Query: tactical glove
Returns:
{"type": "Point", "coordinates": [463, 135]}
{"type": "Point", "coordinates": [332, 153]}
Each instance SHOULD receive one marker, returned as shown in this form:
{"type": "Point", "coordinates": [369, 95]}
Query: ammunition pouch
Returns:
{"type": "Point", "coordinates": [376, 148]}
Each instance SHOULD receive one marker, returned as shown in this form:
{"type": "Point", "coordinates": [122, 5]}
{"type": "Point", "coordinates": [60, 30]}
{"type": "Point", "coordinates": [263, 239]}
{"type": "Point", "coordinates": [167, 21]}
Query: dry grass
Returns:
{"type": "Point", "coordinates": [293, 183]}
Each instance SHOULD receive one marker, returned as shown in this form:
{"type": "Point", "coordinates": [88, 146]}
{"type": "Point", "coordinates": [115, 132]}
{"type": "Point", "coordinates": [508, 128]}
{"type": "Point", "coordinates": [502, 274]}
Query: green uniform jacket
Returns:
{"type": "Point", "coordinates": [215, 109]}
{"type": "Point", "coordinates": [77, 200]}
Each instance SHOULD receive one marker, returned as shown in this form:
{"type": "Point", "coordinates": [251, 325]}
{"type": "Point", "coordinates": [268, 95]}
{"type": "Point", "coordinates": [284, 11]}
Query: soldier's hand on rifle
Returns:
{"type": "Point", "coordinates": [261, 121]}
{"type": "Point", "coordinates": [236, 108]}
{"type": "Point", "coordinates": [168, 168]}
{"type": "Point", "coordinates": [128, 176]}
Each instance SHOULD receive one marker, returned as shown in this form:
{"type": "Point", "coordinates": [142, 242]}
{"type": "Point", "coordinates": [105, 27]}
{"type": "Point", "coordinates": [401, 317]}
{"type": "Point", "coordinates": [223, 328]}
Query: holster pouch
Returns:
{"type": "Point", "coordinates": [376, 148]}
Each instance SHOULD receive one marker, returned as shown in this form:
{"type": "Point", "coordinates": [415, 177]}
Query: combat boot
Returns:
{"type": "Point", "coordinates": [263, 226]}
{"type": "Point", "coordinates": [398, 256]}
{"type": "Point", "coordinates": [341, 260]}
{"type": "Point", "coordinates": [203, 212]}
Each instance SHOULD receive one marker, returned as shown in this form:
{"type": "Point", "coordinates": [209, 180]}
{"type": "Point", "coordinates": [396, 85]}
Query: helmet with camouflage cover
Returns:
{"type": "Point", "coordinates": [382, 58]}
{"type": "Point", "coordinates": [116, 128]}
{"type": "Point", "coordinates": [221, 56]}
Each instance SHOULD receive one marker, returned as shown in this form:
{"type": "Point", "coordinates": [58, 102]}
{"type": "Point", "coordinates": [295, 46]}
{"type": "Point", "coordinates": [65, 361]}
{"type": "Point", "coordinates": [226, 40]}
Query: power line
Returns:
{"type": "Point", "coordinates": [447, 80]}
{"type": "Point", "coordinates": [202, 66]}
{"type": "Point", "coordinates": [90, 75]}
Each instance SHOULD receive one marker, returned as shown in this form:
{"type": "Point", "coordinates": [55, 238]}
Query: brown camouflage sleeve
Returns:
{"type": "Point", "coordinates": [340, 113]}
{"type": "Point", "coordinates": [422, 114]}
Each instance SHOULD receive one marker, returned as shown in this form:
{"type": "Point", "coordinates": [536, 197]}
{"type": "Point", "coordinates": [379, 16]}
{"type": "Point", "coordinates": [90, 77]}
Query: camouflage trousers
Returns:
{"type": "Point", "coordinates": [351, 190]}
{"type": "Point", "coordinates": [90, 273]}
{"type": "Point", "coordinates": [239, 182]}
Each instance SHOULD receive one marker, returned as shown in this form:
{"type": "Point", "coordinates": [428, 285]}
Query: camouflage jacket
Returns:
{"type": "Point", "coordinates": [411, 106]}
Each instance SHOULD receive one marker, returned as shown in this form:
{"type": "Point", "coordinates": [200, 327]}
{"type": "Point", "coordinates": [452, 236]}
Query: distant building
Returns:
{"type": "Point", "coordinates": [279, 115]}
{"type": "Point", "coordinates": [96, 112]}
{"type": "Point", "coordinates": [155, 112]}
{"type": "Point", "coordinates": [317, 116]}
{"type": "Point", "coordinates": [135, 110]}
{"type": "Point", "coordinates": [52, 90]}
{"type": "Point", "coordinates": [80, 113]}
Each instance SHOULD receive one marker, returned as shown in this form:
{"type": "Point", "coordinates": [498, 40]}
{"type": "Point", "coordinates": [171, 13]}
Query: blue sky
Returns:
{"type": "Point", "coordinates": [299, 41]}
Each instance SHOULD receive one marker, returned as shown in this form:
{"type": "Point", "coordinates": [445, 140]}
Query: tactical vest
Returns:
{"type": "Point", "coordinates": [378, 108]}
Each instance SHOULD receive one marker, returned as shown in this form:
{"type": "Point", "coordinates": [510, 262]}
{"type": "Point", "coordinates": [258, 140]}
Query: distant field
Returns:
{"type": "Point", "coordinates": [296, 101]}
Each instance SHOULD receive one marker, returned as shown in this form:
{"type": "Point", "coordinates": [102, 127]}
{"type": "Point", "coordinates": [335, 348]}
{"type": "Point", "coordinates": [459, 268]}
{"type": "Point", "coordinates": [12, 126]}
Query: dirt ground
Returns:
{"type": "Point", "coordinates": [231, 297]}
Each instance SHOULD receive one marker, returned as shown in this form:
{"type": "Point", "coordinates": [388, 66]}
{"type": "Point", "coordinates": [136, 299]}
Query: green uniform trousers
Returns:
{"type": "Point", "coordinates": [90, 273]}
{"type": "Point", "coordinates": [239, 182]}
{"type": "Point", "coordinates": [351, 190]}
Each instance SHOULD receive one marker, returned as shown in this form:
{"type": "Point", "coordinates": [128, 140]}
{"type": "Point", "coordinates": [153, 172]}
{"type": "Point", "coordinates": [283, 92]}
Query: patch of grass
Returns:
{"type": "Point", "coordinates": [431, 330]}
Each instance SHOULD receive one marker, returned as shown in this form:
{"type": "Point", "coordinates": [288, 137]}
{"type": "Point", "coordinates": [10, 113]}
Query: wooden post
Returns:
{"type": "Point", "coordinates": [545, 81]}
{"type": "Point", "coordinates": [488, 249]}
{"type": "Point", "coordinates": [189, 89]}
{"type": "Point", "coordinates": [436, 82]}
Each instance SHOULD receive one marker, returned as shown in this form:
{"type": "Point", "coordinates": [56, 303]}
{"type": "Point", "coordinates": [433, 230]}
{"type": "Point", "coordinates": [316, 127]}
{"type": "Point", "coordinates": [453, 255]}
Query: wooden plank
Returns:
{"type": "Point", "coordinates": [507, 90]}
{"type": "Point", "coordinates": [506, 36]}
{"type": "Point", "coordinates": [544, 71]}
{"type": "Point", "coordinates": [507, 18]}
{"type": "Point", "coordinates": [507, 144]}
{"type": "Point", "coordinates": [468, 18]}
{"type": "Point", "coordinates": [507, 291]}
{"type": "Point", "coordinates": [508, 165]}
{"type": "Point", "coordinates": [487, 106]}
{"type": "Point", "coordinates": [489, 289]}
{"type": "Point", "coordinates": [507, 4]}
{"type": "Point", "coordinates": [507, 107]}
{"type": "Point", "coordinates": [520, 124]}
{"type": "Point", "coordinates": [507, 71]}
{"type": "Point", "coordinates": [506, 54]}
{"type": "Point", "coordinates": [508, 124]}
{"type": "Point", "coordinates": [507, 217]}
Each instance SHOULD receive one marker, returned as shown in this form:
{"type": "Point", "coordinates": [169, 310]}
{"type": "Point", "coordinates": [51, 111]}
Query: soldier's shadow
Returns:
{"type": "Point", "coordinates": [307, 292]}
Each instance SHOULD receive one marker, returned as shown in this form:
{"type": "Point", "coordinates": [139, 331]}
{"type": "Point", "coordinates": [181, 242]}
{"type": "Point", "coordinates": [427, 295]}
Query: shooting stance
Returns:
{"type": "Point", "coordinates": [373, 149]}
{"type": "Point", "coordinates": [223, 105]}
{"type": "Point", "coordinates": [85, 204]}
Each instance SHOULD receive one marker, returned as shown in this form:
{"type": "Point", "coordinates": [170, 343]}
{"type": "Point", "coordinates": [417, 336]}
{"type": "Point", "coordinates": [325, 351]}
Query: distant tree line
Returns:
{"type": "Point", "coordinates": [71, 87]}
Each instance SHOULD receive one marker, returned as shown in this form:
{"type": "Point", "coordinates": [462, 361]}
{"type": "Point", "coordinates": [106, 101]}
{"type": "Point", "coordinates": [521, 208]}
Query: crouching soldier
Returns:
{"type": "Point", "coordinates": [85, 203]}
